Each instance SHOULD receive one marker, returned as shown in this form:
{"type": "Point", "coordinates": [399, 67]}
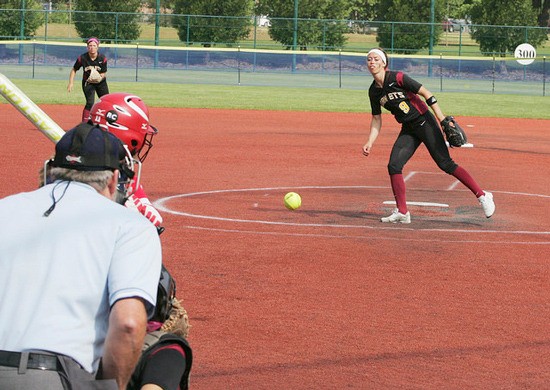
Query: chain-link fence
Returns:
{"type": "Point", "coordinates": [259, 32]}
{"type": "Point", "coordinates": [238, 66]}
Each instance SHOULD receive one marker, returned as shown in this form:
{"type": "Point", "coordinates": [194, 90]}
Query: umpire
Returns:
{"type": "Point", "coordinates": [79, 273]}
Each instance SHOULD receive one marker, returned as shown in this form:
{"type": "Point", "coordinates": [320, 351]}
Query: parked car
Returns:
{"type": "Point", "coordinates": [464, 25]}
{"type": "Point", "coordinates": [452, 25]}
{"type": "Point", "coordinates": [264, 21]}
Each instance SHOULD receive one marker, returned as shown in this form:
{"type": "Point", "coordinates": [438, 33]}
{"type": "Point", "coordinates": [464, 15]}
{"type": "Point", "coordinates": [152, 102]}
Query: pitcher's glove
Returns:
{"type": "Point", "coordinates": [94, 77]}
{"type": "Point", "coordinates": [456, 137]}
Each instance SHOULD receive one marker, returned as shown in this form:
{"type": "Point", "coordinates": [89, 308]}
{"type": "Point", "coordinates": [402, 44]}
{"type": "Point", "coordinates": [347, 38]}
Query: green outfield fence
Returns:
{"type": "Point", "coordinates": [237, 66]}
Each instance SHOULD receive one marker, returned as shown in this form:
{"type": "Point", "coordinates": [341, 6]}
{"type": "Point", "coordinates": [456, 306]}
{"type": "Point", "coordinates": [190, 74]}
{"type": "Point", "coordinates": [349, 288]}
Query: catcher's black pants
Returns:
{"type": "Point", "coordinates": [424, 129]}
{"type": "Point", "coordinates": [90, 90]}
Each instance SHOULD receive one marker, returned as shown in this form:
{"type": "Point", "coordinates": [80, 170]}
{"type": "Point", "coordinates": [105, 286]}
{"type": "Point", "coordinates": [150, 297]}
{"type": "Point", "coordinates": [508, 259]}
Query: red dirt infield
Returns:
{"type": "Point", "coordinates": [327, 297]}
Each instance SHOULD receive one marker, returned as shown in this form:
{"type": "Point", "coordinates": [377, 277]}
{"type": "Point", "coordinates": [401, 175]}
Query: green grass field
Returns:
{"type": "Point", "coordinates": [286, 98]}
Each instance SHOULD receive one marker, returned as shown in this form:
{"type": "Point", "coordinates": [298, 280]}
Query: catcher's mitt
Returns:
{"type": "Point", "coordinates": [94, 76]}
{"type": "Point", "coordinates": [456, 137]}
{"type": "Point", "coordinates": [178, 322]}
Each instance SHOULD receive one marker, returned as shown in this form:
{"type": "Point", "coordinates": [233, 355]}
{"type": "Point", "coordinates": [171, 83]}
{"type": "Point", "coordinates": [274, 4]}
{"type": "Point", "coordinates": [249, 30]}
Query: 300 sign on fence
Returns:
{"type": "Point", "coordinates": [525, 54]}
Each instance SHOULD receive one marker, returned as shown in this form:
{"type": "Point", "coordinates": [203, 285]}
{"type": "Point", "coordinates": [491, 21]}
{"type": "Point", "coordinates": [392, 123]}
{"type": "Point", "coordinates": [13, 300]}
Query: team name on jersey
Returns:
{"type": "Point", "coordinates": [392, 96]}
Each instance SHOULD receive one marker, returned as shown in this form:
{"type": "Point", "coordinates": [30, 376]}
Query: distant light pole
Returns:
{"type": "Point", "coordinates": [432, 21]}
{"type": "Point", "coordinates": [295, 40]}
{"type": "Point", "coordinates": [432, 32]}
{"type": "Point", "coordinates": [22, 22]}
{"type": "Point", "coordinates": [295, 35]}
{"type": "Point", "coordinates": [22, 30]}
{"type": "Point", "coordinates": [157, 23]}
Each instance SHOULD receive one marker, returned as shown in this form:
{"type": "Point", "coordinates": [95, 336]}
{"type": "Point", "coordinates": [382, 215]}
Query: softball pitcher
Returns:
{"type": "Point", "coordinates": [399, 94]}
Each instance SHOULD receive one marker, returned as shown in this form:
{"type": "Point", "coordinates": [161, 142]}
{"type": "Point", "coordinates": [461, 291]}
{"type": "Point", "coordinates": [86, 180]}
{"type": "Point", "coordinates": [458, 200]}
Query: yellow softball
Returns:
{"type": "Point", "coordinates": [292, 201]}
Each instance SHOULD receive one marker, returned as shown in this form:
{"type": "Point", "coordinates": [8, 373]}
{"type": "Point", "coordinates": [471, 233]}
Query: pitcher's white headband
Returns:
{"type": "Point", "coordinates": [380, 54]}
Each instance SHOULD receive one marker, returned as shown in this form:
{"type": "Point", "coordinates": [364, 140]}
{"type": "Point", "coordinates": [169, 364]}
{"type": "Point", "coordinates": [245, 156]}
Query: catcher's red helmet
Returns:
{"type": "Point", "coordinates": [126, 116]}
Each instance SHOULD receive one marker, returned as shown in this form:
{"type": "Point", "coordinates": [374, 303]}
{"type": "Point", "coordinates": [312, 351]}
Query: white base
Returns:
{"type": "Point", "coordinates": [425, 204]}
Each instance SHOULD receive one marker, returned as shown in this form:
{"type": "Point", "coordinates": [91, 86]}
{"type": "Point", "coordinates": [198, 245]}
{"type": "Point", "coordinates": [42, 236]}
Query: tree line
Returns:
{"type": "Point", "coordinates": [404, 25]}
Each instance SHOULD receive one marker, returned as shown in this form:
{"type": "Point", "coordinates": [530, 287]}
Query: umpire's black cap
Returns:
{"type": "Point", "coordinates": [89, 148]}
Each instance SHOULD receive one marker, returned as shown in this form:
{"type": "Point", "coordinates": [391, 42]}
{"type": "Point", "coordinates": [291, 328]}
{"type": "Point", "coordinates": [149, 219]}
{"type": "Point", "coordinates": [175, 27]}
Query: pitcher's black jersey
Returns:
{"type": "Point", "coordinates": [84, 61]}
{"type": "Point", "coordinates": [399, 96]}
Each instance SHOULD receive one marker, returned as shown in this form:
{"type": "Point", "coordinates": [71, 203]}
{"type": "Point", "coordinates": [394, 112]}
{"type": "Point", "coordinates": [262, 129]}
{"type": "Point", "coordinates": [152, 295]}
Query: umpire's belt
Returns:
{"type": "Point", "coordinates": [36, 361]}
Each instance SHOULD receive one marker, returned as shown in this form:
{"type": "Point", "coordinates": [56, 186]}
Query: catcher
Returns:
{"type": "Point", "coordinates": [399, 94]}
{"type": "Point", "coordinates": [167, 357]}
{"type": "Point", "coordinates": [94, 79]}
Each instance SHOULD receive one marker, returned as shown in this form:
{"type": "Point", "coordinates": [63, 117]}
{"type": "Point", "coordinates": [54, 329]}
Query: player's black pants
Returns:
{"type": "Point", "coordinates": [424, 130]}
{"type": "Point", "coordinates": [91, 89]}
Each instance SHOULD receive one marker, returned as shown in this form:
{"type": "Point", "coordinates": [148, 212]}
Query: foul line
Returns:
{"type": "Point", "coordinates": [369, 237]}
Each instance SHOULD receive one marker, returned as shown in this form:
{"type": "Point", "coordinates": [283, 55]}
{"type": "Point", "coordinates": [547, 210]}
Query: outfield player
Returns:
{"type": "Point", "coordinates": [126, 116]}
{"type": "Point", "coordinates": [89, 269]}
{"type": "Point", "coordinates": [91, 59]}
{"type": "Point", "coordinates": [399, 94]}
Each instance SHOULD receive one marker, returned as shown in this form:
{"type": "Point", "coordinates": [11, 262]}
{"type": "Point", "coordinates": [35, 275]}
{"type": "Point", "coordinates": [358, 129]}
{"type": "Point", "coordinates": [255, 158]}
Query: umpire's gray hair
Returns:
{"type": "Point", "coordinates": [97, 179]}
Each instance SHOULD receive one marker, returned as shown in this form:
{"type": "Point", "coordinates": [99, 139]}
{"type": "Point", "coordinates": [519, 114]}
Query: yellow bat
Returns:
{"type": "Point", "coordinates": [30, 110]}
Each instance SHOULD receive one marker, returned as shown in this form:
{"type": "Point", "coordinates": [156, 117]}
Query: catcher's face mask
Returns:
{"type": "Point", "coordinates": [166, 292]}
{"type": "Point", "coordinates": [128, 178]}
